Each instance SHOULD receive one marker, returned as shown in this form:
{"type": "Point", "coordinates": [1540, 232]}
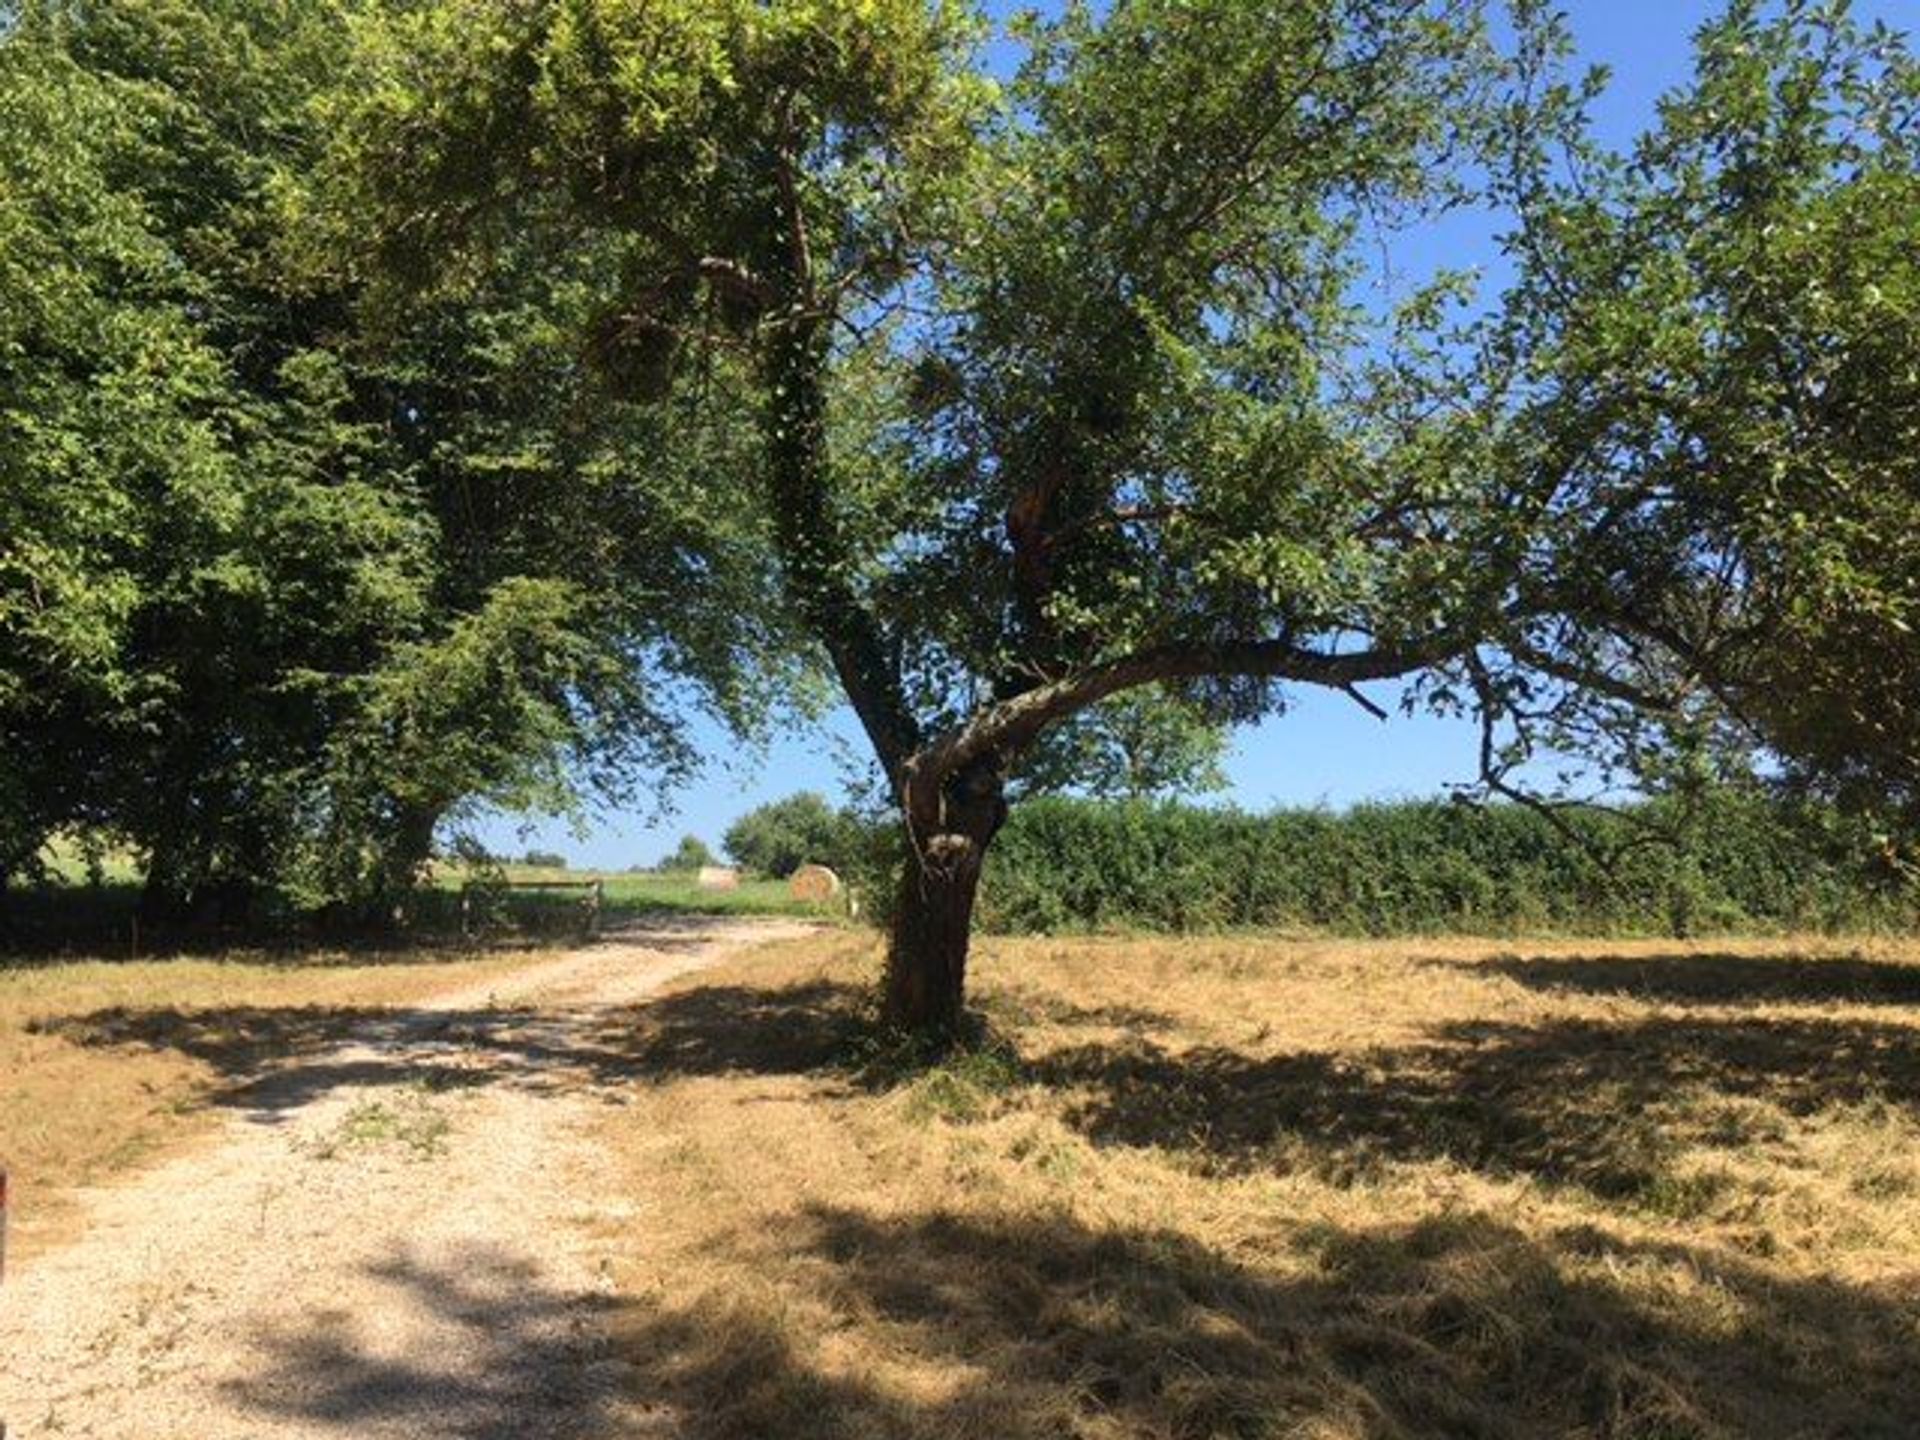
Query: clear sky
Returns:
{"type": "Point", "coordinates": [1326, 750]}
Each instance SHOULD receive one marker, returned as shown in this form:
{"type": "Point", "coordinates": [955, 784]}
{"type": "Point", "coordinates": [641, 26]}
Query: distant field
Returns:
{"type": "Point", "coordinates": [68, 864]}
{"type": "Point", "coordinates": [1259, 1188]}
{"type": "Point", "coordinates": [639, 892]}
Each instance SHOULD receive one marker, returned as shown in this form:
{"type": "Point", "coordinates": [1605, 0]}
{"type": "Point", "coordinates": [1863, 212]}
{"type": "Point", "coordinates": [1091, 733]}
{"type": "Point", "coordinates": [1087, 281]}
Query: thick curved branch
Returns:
{"type": "Point", "coordinates": [1015, 723]}
{"type": "Point", "coordinates": [811, 542]}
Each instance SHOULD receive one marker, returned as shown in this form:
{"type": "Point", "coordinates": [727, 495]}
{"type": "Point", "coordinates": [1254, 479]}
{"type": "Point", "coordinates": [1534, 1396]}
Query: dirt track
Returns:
{"type": "Point", "coordinates": [388, 1240]}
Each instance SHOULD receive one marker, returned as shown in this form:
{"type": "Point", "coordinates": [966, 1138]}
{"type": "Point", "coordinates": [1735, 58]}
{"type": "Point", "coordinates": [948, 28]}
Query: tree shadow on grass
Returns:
{"type": "Point", "coordinates": [1602, 1106]}
{"type": "Point", "coordinates": [511, 1358]}
{"type": "Point", "coordinates": [236, 1040]}
{"type": "Point", "coordinates": [1039, 1326]}
{"type": "Point", "coordinates": [269, 1059]}
{"type": "Point", "coordinates": [818, 1027]}
{"type": "Point", "coordinates": [809, 1027]}
{"type": "Point", "coordinates": [1713, 979]}
{"type": "Point", "coordinates": [1608, 1107]}
{"type": "Point", "coordinates": [953, 1323]}
{"type": "Point", "coordinates": [272, 1060]}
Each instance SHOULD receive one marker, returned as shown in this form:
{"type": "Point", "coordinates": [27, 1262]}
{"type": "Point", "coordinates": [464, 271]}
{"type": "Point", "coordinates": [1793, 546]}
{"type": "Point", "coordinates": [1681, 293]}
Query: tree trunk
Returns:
{"type": "Point", "coordinates": [408, 852]}
{"type": "Point", "coordinates": [163, 893]}
{"type": "Point", "coordinates": [933, 924]}
{"type": "Point", "coordinates": [375, 905]}
{"type": "Point", "coordinates": [932, 927]}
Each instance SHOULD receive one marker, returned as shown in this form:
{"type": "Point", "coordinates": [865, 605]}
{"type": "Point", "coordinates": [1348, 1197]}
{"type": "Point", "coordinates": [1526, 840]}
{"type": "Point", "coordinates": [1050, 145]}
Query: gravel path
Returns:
{"type": "Point", "coordinates": [388, 1240]}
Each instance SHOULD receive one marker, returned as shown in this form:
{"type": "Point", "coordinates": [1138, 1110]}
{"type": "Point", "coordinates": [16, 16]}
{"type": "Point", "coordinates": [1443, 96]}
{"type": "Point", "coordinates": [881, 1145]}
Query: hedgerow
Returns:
{"type": "Point", "coordinates": [1736, 862]}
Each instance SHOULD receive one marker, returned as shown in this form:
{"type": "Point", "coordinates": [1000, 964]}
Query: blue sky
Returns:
{"type": "Point", "coordinates": [1324, 751]}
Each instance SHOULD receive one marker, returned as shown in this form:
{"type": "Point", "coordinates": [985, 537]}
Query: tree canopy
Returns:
{"type": "Point", "coordinates": [623, 351]}
{"type": "Point", "coordinates": [287, 578]}
{"type": "Point", "coordinates": [1069, 390]}
{"type": "Point", "coordinates": [803, 829]}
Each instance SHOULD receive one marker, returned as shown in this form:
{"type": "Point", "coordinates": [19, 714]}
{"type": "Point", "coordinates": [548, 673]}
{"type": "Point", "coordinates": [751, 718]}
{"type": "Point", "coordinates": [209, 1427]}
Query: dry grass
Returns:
{"type": "Point", "coordinates": [1286, 1189]}
{"type": "Point", "coordinates": [107, 1062]}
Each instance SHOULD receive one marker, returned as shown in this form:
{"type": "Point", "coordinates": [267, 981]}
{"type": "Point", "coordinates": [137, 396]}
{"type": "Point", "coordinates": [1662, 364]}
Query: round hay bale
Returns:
{"type": "Point", "coordinates": [718, 877]}
{"type": "Point", "coordinates": [814, 884]}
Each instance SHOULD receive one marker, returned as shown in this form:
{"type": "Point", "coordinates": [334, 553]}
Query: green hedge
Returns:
{"type": "Point", "coordinates": [1745, 863]}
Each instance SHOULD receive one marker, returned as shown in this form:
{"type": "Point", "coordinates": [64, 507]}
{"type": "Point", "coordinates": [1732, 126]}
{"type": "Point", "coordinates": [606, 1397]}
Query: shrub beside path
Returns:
{"type": "Point", "coordinates": [391, 1238]}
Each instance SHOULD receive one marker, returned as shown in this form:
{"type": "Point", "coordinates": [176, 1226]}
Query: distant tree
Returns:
{"type": "Point", "coordinates": [544, 859]}
{"type": "Point", "coordinates": [779, 837]}
{"type": "Point", "coordinates": [690, 854]}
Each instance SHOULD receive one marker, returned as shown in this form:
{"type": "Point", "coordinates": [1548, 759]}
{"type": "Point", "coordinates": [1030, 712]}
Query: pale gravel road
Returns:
{"type": "Point", "coordinates": [391, 1239]}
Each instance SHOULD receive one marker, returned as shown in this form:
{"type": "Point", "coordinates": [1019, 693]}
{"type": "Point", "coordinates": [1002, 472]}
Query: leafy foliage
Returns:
{"type": "Point", "coordinates": [1140, 744]}
{"type": "Point", "coordinates": [1737, 863]}
{"type": "Point", "coordinates": [689, 855]}
{"type": "Point", "coordinates": [322, 574]}
{"type": "Point", "coordinates": [107, 435]}
{"type": "Point", "coordinates": [1722, 341]}
{"type": "Point", "coordinates": [1074, 392]}
{"type": "Point", "coordinates": [442, 396]}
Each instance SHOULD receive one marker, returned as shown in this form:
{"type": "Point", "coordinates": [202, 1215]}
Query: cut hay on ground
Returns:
{"type": "Point", "coordinates": [1264, 1189]}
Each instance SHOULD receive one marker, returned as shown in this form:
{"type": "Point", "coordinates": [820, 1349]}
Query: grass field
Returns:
{"type": "Point", "coordinates": [1247, 1188]}
{"type": "Point", "coordinates": [1231, 1187]}
{"type": "Point", "coordinates": [181, 1035]}
{"type": "Point", "coordinates": [640, 892]}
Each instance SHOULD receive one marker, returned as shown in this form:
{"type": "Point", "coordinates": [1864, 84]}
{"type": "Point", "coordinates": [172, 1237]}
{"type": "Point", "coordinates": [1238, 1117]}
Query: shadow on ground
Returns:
{"type": "Point", "coordinates": [1600, 1105]}
{"type": "Point", "coordinates": [1604, 1106]}
{"type": "Point", "coordinates": [1456, 1326]}
{"type": "Point", "coordinates": [954, 1323]}
{"type": "Point", "coordinates": [515, 1359]}
{"type": "Point", "coordinates": [272, 1059]}
{"type": "Point", "coordinates": [1042, 1327]}
{"type": "Point", "coordinates": [1712, 979]}
{"type": "Point", "coordinates": [53, 925]}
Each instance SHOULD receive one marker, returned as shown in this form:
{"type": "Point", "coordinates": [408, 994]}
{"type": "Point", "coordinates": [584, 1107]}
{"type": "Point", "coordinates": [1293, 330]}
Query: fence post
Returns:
{"type": "Point", "coordinates": [595, 897]}
{"type": "Point", "coordinates": [466, 904]}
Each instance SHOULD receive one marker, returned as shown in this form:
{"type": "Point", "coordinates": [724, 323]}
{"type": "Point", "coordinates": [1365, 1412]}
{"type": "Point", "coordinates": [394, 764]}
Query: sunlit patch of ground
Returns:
{"type": "Point", "coordinates": [104, 1063]}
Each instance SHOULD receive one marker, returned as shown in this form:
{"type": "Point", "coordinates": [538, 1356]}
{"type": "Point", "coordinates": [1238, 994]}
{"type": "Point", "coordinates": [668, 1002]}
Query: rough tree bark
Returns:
{"type": "Point", "coordinates": [379, 910]}
{"type": "Point", "coordinates": [951, 822]}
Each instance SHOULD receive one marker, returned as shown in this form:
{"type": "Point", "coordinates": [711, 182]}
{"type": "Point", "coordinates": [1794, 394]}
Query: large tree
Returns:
{"type": "Point", "coordinates": [1076, 389]}
{"type": "Point", "coordinates": [108, 444]}
{"type": "Point", "coordinates": [291, 580]}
